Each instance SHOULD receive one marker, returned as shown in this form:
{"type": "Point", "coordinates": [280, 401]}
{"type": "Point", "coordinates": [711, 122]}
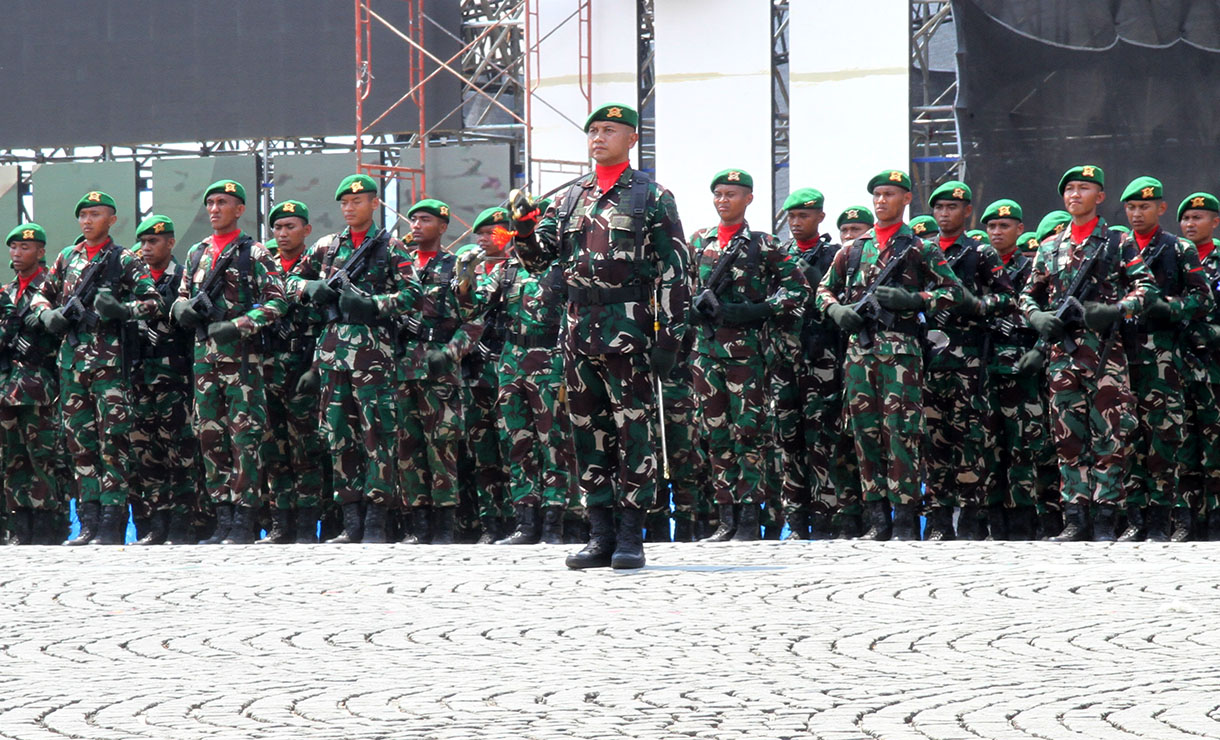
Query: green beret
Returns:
{"type": "Point", "coordinates": [804, 198]}
{"type": "Point", "coordinates": [890, 177]}
{"type": "Point", "coordinates": [1083, 173]}
{"type": "Point", "coordinates": [30, 232]}
{"type": "Point", "coordinates": [1120, 228]}
{"type": "Point", "coordinates": [924, 226]}
{"type": "Point", "coordinates": [430, 205]}
{"type": "Point", "coordinates": [491, 216]}
{"type": "Point", "coordinates": [1143, 188]}
{"type": "Point", "coordinates": [271, 244]}
{"type": "Point", "coordinates": [979, 236]}
{"type": "Point", "coordinates": [94, 198]}
{"type": "Point", "coordinates": [1004, 208]}
{"type": "Point", "coordinates": [286, 209]}
{"type": "Point", "coordinates": [1200, 201]}
{"type": "Point", "coordinates": [1052, 223]}
{"type": "Point", "coordinates": [952, 190]}
{"type": "Point", "coordinates": [733, 177]}
{"type": "Point", "coordinates": [226, 187]}
{"type": "Point", "coordinates": [356, 184]}
{"type": "Point", "coordinates": [855, 215]}
{"type": "Point", "coordinates": [1028, 240]}
{"type": "Point", "coordinates": [156, 225]}
{"type": "Point", "coordinates": [615, 113]}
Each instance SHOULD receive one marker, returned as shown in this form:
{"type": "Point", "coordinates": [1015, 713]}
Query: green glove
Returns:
{"type": "Point", "coordinates": [185, 316]}
{"type": "Point", "coordinates": [223, 332]}
{"type": "Point", "coordinates": [438, 363]}
{"type": "Point", "coordinates": [319, 293]}
{"type": "Point", "coordinates": [309, 383]}
{"type": "Point", "coordinates": [109, 307]}
{"type": "Point", "coordinates": [899, 299]}
{"type": "Point", "coordinates": [663, 361]}
{"type": "Point", "coordinates": [1030, 362]}
{"type": "Point", "coordinates": [1100, 316]}
{"type": "Point", "coordinates": [1047, 324]}
{"type": "Point", "coordinates": [54, 321]}
{"type": "Point", "coordinates": [359, 309]}
{"type": "Point", "coordinates": [845, 316]}
{"type": "Point", "coordinates": [1159, 310]}
{"type": "Point", "coordinates": [744, 312]}
{"type": "Point", "coordinates": [32, 322]}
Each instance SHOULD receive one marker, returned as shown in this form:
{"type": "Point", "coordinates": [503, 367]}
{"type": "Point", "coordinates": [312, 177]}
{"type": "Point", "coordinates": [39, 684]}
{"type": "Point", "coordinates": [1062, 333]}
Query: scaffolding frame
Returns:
{"type": "Point", "coordinates": [936, 150]}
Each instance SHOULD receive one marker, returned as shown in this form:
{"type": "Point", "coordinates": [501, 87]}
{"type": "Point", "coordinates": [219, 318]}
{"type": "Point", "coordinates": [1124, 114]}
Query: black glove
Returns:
{"type": "Point", "coordinates": [971, 304]}
{"type": "Point", "coordinates": [185, 316]}
{"type": "Point", "coordinates": [523, 212]}
{"type": "Point", "coordinates": [1100, 316]}
{"type": "Point", "coordinates": [1047, 324]}
{"type": "Point", "coordinates": [223, 332]}
{"type": "Point", "coordinates": [898, 299]}
{"type": "Point", "coordinates": [744, 312]}
{"type": "Point", "coordinates": [483, 352]}
{"type": "Point", "coordinates": [1159, 310]}
{"type": "Point", "coordinates": [357, 308]}
{"type": "Point", "coordinates": [663, 361]}
{"type": "Point", "coordinates": [319, 293]}
{"type": "Point", "coordinates": [32, 322]}
{"type": "Point", "coordinates": [438, 363]}
{"type": "Point", "coordinates": [309, 383]}
{"type": "Point", "coordinates": [1030, 362]}
{"type": "Point", "coordinates": [54, 321]}
{"type": "Point", "coordinates": [109, 307]}
{"type": "Point", "coordinates": [845, 316]}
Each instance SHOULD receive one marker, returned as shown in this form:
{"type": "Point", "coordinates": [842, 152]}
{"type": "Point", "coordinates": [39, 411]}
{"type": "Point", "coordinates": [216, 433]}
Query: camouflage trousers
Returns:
{"type": "Point", "coordinates": [1093, 421]}
{"type": "Point", "coordinates": [164, 450]}
{"type": "Point", "coordinates": [1159, 445]}
{"type": "Point", "coordinates": [97, 422]}
{"type": "Point", "coordinates": [688, 464]}
{"type": "Point", "coordinates": [1201, 471]}
{"type": "Point", "coordinates": [611, 404]}
{"type": "Point", "coordinates": [230, 415]}
{"type": "Point", "coordinates": [292, 442]}
{"type": "Point", "coordinates": [958, 439]}
{"type": "Point", "coordinates": [29, 438]}
{"type": "Point", "coordinates": [808, 407]}
{"type": "Point", "coordinates": [358, 415]}
{"type": "Point", "coordinates": [734, 413]}
{"type": "Point", "coordinates": [429, 437]}
{"type": "Point", "coordinates": [1022, 445]}
{"type": "Point", "coordinates": [533, 433]}
{"type": "Point", "coordinates": [883, 406]}
{"type": "Point", "coordinates": [482, 464]}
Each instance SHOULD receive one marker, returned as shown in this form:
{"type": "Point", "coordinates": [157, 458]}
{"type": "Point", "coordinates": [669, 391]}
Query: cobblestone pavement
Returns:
{"type": "Point", "coordinates": [833, 640]}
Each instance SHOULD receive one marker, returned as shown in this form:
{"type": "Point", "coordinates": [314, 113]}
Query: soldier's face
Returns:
{"type": "Point", "coordinates": [731, 202]}
{"type": "Point", "coordinates": [223, 212]}
{"type": "Point", "coordinates": [1199, 225]}
{"type": "Point", "coordinates": [25, 254]}
{"type": "Point", "coordinates": [951, 215]}
{"type": "Point", "coordinates": [889, 202]}
{"type": "Point", "coordinates": [1003, 233]}
{"type": "Point", "coordinates": [95, 222]}
{"type": "Point", "coordinates": [290, 234]}
{"type": "Point", "coordinates": [851, 232]}
{"type": "Point", "coordinates": [156, 249]}
{"type": "Point", "coordinates": [804, 223]}
{"type": "Point", "coordinates": [610, 143]}
{"type": "Point", "coordinates": [426, 229]}
{"type": "Point", "coordinates": [482, 237]}
{"type": "Point", "coordinates": [358, 209]}
{"type": "Point", "coordinates": [1082, 198]}
{"type": "Point", "coordinates": [1142, 215]}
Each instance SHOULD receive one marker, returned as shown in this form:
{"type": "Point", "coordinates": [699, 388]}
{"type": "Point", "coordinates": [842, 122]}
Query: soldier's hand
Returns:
{"type": "Point", "coordinates": [1159, 310]}
{"type": "Point", "coordinates": [845, 317]}
{"type": "Point", "coordinates": [438, 363]}
{"type": "Point", "coordinates": [898, 299]}
{"type": "Point", "coordinates": [662, 361]}
{"type": "Point", "coordinates": [467, 264]}
{"type": "Point", "coordinates": [319, 293]}
{"type": "Point", "coordinates": [32, 322]}
{"type": "Point", "coordinates": [309, 383]}
{"type": "Point", "coordinates": [1030, 362]}
{"type": "Point", "coordinates": [744, 312]}
{"type": "Point", "coordinates": [971, 304]}
{"type": "Point", "coordinates": [1100, 316]}
{"type": "Point", "coordinates": [185, 316]}
{"type": "Point", "coordinates": [523, 211]}
{"type": "Point", "coordinates": [359, 309]}
{"type": "Point", "coordinates": [484, 352]}
{"type": "Point", "coordinates": [223, 332]}
{"type": "Point", "coordinates": [109, 307]}
{"type": "Point", "coordinates": [1047, 324]}
{"type": "Point", "coordinates": [53, 320]}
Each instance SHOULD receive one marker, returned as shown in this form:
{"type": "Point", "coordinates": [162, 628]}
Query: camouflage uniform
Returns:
{"type": "Point", "coordinates": [1202, 450]}
{"type": "Point", "coordinates": [688, 463]}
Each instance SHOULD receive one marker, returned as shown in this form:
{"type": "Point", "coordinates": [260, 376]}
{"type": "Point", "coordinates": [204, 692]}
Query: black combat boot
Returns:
{"type": "Point", "coordinates": [305, 525]}
{"type": "Point", "coordinates": [656, 526]}
{"type": "Point", "coordinates": [45, 530]}
{"type": "Point", "coordinates": [997, 523]}
{"type": "Point", "coordinates": [374, 524]}
{"type": "Point", "coordinates": [179, 532]}
{"type": "Point", "coordinates": [1050, 524]}
{"type": "Point", "coordinates": [747, 523]}
{"type": "Point", "coordinates": [526, 532]}
{"type": "Point", "coordinates": [224, 520]}
{"type": "Point", "coordinates": [242, 530]}
{"type": "Point", "coordinates": [575, 529]}
{"type": "Point", "coordinates": [442, 524]}
{"type": "Point", "coordinates": [1075, 524]}
{"type": "Point", "coordinates": [728, 525]}
{"type": "Point", "coordinates": [600, 548]}
{"type": "Point", "coordinates": [969, 524]}
{"type": "Point", "coordinates": [1183, 524]}
{"type": "Point", "coordinates": [1105, 519]}
{"type": "Point", "coordinates": [798, 525]}
{"type": "Point", "coordinates": [1021, 521]}
{"type": "Point", "coordinates": [848, 526]}
{"type": "Point", "coordinates": [552, 525]}
{"type": "Point", "coordinates": [88, 513]}
{"type": "Point", "coordinates": [280, 533]}
{"type": "Point", "coordinates": [629, 544]}
{"type": "Point", "coordinates": [1136, 525]}
{"type": "Point", "coordinates": [1157, 522]}
{"type": "Point", "coordinates": [21, 527]}
{"type": "Point", "coordinates": [703, 527]}
{"type": "Point", "coordinates": [491, 530]}
{"type": "Point", "coordinates": [880, 528]}
{"type": "Point", "coordinates": [420, 530]}
{"type": "Point", "coordinates": [158, 529]}
{"type": "Point", "coordinates": [819, 526]}
{"type": "Point", "coordinates": [906, 523]}
{"type": "Point", "coordinates": [353, 525]}
{"type": "Point", "coordinates": [112, 529]}
{"type": "Point", "coordinates": [683, 529]}
{"type": "Point", "coordinates": [940, 524]}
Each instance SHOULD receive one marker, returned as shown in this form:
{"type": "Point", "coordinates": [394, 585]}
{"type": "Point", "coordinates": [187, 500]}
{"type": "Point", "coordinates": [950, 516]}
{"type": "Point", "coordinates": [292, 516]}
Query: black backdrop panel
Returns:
{"type": "Point", "coordinates": [148, 71]}
{"type": "Point", "coordinates": [1042, 89]}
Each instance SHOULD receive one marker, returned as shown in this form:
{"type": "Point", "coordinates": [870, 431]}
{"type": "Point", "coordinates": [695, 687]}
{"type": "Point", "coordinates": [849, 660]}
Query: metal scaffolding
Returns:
{"type": "Point", "coordinates": [936, 151]}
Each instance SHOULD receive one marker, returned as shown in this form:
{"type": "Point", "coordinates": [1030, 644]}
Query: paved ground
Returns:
{"type": "Point", "coordinates": [831, 640]}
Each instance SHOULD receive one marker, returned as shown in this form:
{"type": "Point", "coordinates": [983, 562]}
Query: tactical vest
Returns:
{"type": "Point", "coordinates": [639, 200]}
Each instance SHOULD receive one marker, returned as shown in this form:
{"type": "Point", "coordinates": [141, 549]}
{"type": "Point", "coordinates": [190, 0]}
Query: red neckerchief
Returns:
{"type": "Point", "coordinates": [358, 237]}
{"type": "Point", "coordinates": [156, 274]}
{"type": "Point", "coordinates": [607, 175]}
{"type": "Point", "coordinates": [883, 234]}
{"type": "Point", "coordinates": [423, 258]}
{"type": "Point", "coordinates": [1008, 257]}
{"type": "Point", "coordinates": [1206, 250]}
{"type": "Point", "coordinates": [91, 252]}
{"type": "Point", "coordinates": [806, 246]}
{"type": "Point", "coordinates": [286, 264]}
{"type": "Point", "coordinates": [1080, 233]}
{"type": "Point", "coordinates": [946, 241]}
{"type": "Point", "coordinates": [220, 241]}
{"type": "Point", "coordinates": [23, 283]}
{"type": "Point", "coordinates": [1145, 239]}
{"type": "Point", "coordinates": [725, 234]}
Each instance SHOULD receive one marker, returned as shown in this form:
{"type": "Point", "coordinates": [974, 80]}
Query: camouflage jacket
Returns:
{"type": "Point", "coordinates": [531, 310]}
{"type": "Point", "coordinates": [252, 301]}
{"type": "Point", "coordinates": [390, 280]}
{"type": "Point", "coordinates": [443, 322]}
{"type": "Point", "coordinates": [924, 266]}
{"type": "Point", "coordinates": [1210, 370]}
{"type": "Point", "coordinates": [28, 373]}
{"type": "Point", "coordinates": [130, 283]}
{"type": "Point", "coordinates": [1011, 337]}
{"type": "Point", "coordinates": [166, 350]}
{"type": "Point", "coordinates": [1180, 279]}
{"type": "Point", "coordinates": [761, 273]}
{"type": "Point", "coordinates": [290, 342]}
{"type": "Point", "coordinates": [597, 251]}
{"type": "Point", "coordinates": [981, 271]}
{"type": "Point", "coordinates": [1128, 283]}
{"type": "Point", "coordinates": [800, 333]}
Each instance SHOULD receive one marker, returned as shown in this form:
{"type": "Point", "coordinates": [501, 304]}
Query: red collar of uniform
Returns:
{"type": "Point", "coordinates": [24, 282]}
{"type": "Point", "coordinates": [1080, 233]}
{"type": "Point", "coordinates": [286, 264]}
{"type": "Point", "coordinates": [609, 174]}
{"type": "Point", "coordinates": [220, 241]}
{"type": "Point", "coordinates": [725, 234]}
{"type": "Point", "coordinates": [1006, 258]}
{"type": "Point", "coordinates": [883, 234]}
{"type": "Point", "coordinates": [423, 258]}
{"type": "Point", "coordinates": [91, 251]}
{"type": "Point", "coordinates": [156, 274]}
{"type": "Point", "coordinates": [946, 241]}
{"type": "Point", "coordinates": [1206, 249]}
{"type": "Point", "coordinates": [358, 237]}
{"type": "Point", "coordinates": [1145, 239]}
{"type": "Point", "coordinates": [805, 246]}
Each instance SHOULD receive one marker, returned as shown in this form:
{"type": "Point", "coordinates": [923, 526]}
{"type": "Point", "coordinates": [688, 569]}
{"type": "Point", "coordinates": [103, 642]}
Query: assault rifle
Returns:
{"type": "Point", "coordinates": [78, 308]}
{"type": "Point", "coordinates": [352, 269]}
{"type": "Point", "coordinates": [707, 303]}
{"type": "Point", "coordinates": [204, 301]}
{"type": "Point", "coordinates": [873, 313]}
{"type": "Point", "coordinates": [1071, 307]}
